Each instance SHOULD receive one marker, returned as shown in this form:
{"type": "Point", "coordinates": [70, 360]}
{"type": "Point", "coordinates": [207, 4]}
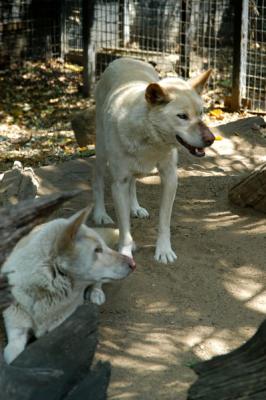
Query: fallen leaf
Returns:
{"type": "Point", "coordinates": [217, 113]}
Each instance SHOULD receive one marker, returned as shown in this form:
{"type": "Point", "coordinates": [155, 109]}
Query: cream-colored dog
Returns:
{"type": "Point", "coordinates": [140, 121]}
{"type": "Point", "coordinates": [49, 271]}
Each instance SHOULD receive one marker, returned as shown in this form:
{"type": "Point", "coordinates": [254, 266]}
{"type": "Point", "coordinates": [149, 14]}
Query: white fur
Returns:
{"type": "Point", "coordinates": [133, 136]}
{"type": "Point", "coordinates": [49, 271]}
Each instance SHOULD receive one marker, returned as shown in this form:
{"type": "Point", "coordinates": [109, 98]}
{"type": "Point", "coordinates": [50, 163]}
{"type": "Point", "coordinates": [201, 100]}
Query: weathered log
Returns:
{"type": "Point", "coordinates": [251, 191]}
{"type": "Point", "coordinates": [58, 365]}
{"type": "Point", "coordinates": [17, 221]}
{"type": "Point", "coordinates": [239, 375]}
{"type": "Point", "coordinates": [18, 184]}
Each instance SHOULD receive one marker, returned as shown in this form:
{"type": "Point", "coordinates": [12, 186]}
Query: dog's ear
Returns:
{"type": "Point", "coordinates": [69, 233]}
{"type": "Point", "coordinates": [200, 81]}
{"type": "Point", "coordinates": [155, 94]}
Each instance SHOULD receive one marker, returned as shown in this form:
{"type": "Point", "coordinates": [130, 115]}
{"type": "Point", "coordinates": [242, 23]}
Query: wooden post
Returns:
{"type": "Point", "coordinates": [184, 42]}
{"type": "Point", "coordinates": [123, 22]}
{"type": "Point", "coordinates": [240, 52]}
{"type": "Point", "coordinates": [89, 56]}
{"type": "Point", "coordinates": [63, 38]}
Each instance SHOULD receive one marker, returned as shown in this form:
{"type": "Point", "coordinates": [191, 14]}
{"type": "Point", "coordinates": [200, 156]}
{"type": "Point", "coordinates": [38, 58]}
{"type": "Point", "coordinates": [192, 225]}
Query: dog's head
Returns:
{"type": "Point", "coordinates": [175, 111]}
{"type": "Point", "coordinates": [83, 255]}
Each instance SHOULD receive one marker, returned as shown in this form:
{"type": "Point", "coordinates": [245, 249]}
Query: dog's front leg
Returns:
{"type": "Point", "coordinates": [97, 295]}
{"type": "Point", "coordinates": [168, 174]}
{"type": "Point", "coordinates": [18, 325]}
{"type": "Point", "coordinates": [120, 192]}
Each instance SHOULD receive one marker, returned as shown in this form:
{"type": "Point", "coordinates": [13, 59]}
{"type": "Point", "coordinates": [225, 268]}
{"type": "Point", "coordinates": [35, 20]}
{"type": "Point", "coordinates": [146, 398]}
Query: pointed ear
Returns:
{"type": "Point", "coordinates": [69, 233]}
{"type": "Point", "coordinates": [200, 81]}
{"type": "Point", "coordinates": [155, 94]}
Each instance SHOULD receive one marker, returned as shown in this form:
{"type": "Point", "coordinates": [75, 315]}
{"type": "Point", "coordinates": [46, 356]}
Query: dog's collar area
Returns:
{"type": "Point", "coordinates": [195, 151]}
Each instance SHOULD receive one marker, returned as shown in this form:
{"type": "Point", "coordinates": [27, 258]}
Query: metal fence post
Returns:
{"type": "Point", "coordinates": [89, 56]}
{"type": "Point", "coordinates": [241, 8]}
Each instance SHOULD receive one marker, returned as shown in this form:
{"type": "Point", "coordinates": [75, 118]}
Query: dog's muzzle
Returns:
{"type": "Point", "coordinates": [207, 139]}
{"type": "Point", "coordinates": [130, 261]}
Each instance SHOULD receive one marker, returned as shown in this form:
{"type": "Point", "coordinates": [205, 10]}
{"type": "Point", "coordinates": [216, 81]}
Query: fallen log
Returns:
{"type": "Point", "coordinates": [58, 365]}
{"type": "Point", "coordinates": [239, 375]}
{"type": "Point", "coordinates": [251, 191]}
{"type": "Point", "coordinates": [18, 184]}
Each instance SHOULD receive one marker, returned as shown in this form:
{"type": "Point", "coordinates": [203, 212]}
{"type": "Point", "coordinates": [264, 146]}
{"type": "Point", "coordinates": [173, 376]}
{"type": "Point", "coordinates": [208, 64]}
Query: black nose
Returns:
{"type": "Point", "coordinates": [207, 136]}
{"type": "Point", "coordinates": [208, 142]}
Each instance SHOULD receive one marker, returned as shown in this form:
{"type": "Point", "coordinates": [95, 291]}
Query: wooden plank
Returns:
{"type": "Point", "coordinates": [57, 363]}
{"type": "Point", "coordinates": [243, 125]}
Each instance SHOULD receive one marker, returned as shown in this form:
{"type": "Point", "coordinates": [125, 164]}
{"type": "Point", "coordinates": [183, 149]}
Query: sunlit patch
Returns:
{"type": "Point", "coordinates": [151, 180]}
{"type": "Point", "coordinates": [247, 285]}
{"type": "Point", "coordinates": [197, 336]}
{"type": "Point", "coordinates": [258, 303]}
{"type": "Point", "coordinates": [160, 306]}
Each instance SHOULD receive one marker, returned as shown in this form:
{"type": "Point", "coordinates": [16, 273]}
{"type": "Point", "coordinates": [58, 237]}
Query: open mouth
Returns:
{"type": "Point", "coordinates": [195, 151]}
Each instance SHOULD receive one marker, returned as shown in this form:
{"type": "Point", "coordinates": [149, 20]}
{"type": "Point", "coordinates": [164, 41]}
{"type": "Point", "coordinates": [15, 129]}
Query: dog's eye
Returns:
{"type": "Point", "coordinates": [98, 249]}
{"type": "Point", "coordinates": [183, 116]}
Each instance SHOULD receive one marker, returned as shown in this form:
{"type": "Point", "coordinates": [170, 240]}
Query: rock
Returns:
{"type": "Point", "coordinates": [83, 125]}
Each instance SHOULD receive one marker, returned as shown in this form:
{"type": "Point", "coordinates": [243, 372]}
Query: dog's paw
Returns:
{"type": "Point", "coordinates": [165, 254]}
{"type": "Point", "coordinates": [102, 218]}
{"type": "Point", "coordinates": [126, 250]}
{"type": "Point", "coordinates": [97, 296]}
{"type": "Point", "coordinates": [11, 352]}
{"type": "Point", "coordinates": [139, 212]}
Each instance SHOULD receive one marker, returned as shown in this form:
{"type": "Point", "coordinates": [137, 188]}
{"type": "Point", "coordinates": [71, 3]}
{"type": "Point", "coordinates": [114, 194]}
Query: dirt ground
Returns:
{"type": "Point", "coordinates": [164, 318]}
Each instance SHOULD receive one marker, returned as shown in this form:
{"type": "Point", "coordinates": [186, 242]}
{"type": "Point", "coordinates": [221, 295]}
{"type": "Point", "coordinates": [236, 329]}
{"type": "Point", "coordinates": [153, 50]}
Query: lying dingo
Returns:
{"type": "Point", "coordinates": [49, 271]}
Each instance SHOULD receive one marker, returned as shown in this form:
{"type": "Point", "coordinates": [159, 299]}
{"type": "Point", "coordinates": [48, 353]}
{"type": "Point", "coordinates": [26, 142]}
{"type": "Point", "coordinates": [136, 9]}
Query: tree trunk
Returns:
{"type": "Point", "coordinates": [239, 375]}
{"type": "Point", "coordinates": [251, 191]}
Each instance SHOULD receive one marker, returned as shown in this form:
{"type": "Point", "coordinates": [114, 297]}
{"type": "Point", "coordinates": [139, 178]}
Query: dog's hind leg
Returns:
{"type": "Point", "coordinates": [100, 215]}
{"type": "Point", "coordinates": [136, 210]}
{"type": "Point", "coordinates": [18, 325]}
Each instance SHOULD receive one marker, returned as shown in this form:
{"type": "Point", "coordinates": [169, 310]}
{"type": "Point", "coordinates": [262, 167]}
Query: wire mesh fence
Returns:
{"type": "Point", "coordinates": [256, 55]}
{"type": "Point", "coordinates": [29, 29]}
{"type": "Point", "coordinates": [177, 36]}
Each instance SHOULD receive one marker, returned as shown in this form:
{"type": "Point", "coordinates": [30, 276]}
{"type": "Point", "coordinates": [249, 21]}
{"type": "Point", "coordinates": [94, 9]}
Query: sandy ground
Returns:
{"type": "Point", "coordinates": [164, 318]}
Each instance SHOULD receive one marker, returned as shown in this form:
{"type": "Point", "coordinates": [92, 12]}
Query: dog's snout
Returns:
{"type": "Point", "coordinates": [130, 261]}
{"type": "Point", "coordinates": [207, 136]}
{"type": "Point", "coordinates": [208, 141]}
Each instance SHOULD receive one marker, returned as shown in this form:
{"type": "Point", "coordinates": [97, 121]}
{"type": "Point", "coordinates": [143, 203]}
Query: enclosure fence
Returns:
{"type": "Point", "coordinates": [179, 37]}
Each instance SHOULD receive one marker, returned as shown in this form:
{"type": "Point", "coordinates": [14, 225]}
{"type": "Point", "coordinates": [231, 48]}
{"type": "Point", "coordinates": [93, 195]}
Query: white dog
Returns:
{"type": "Point", "coordinates": [49, 270]}
{"type": "Point", "coordinates": [140, 121]}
